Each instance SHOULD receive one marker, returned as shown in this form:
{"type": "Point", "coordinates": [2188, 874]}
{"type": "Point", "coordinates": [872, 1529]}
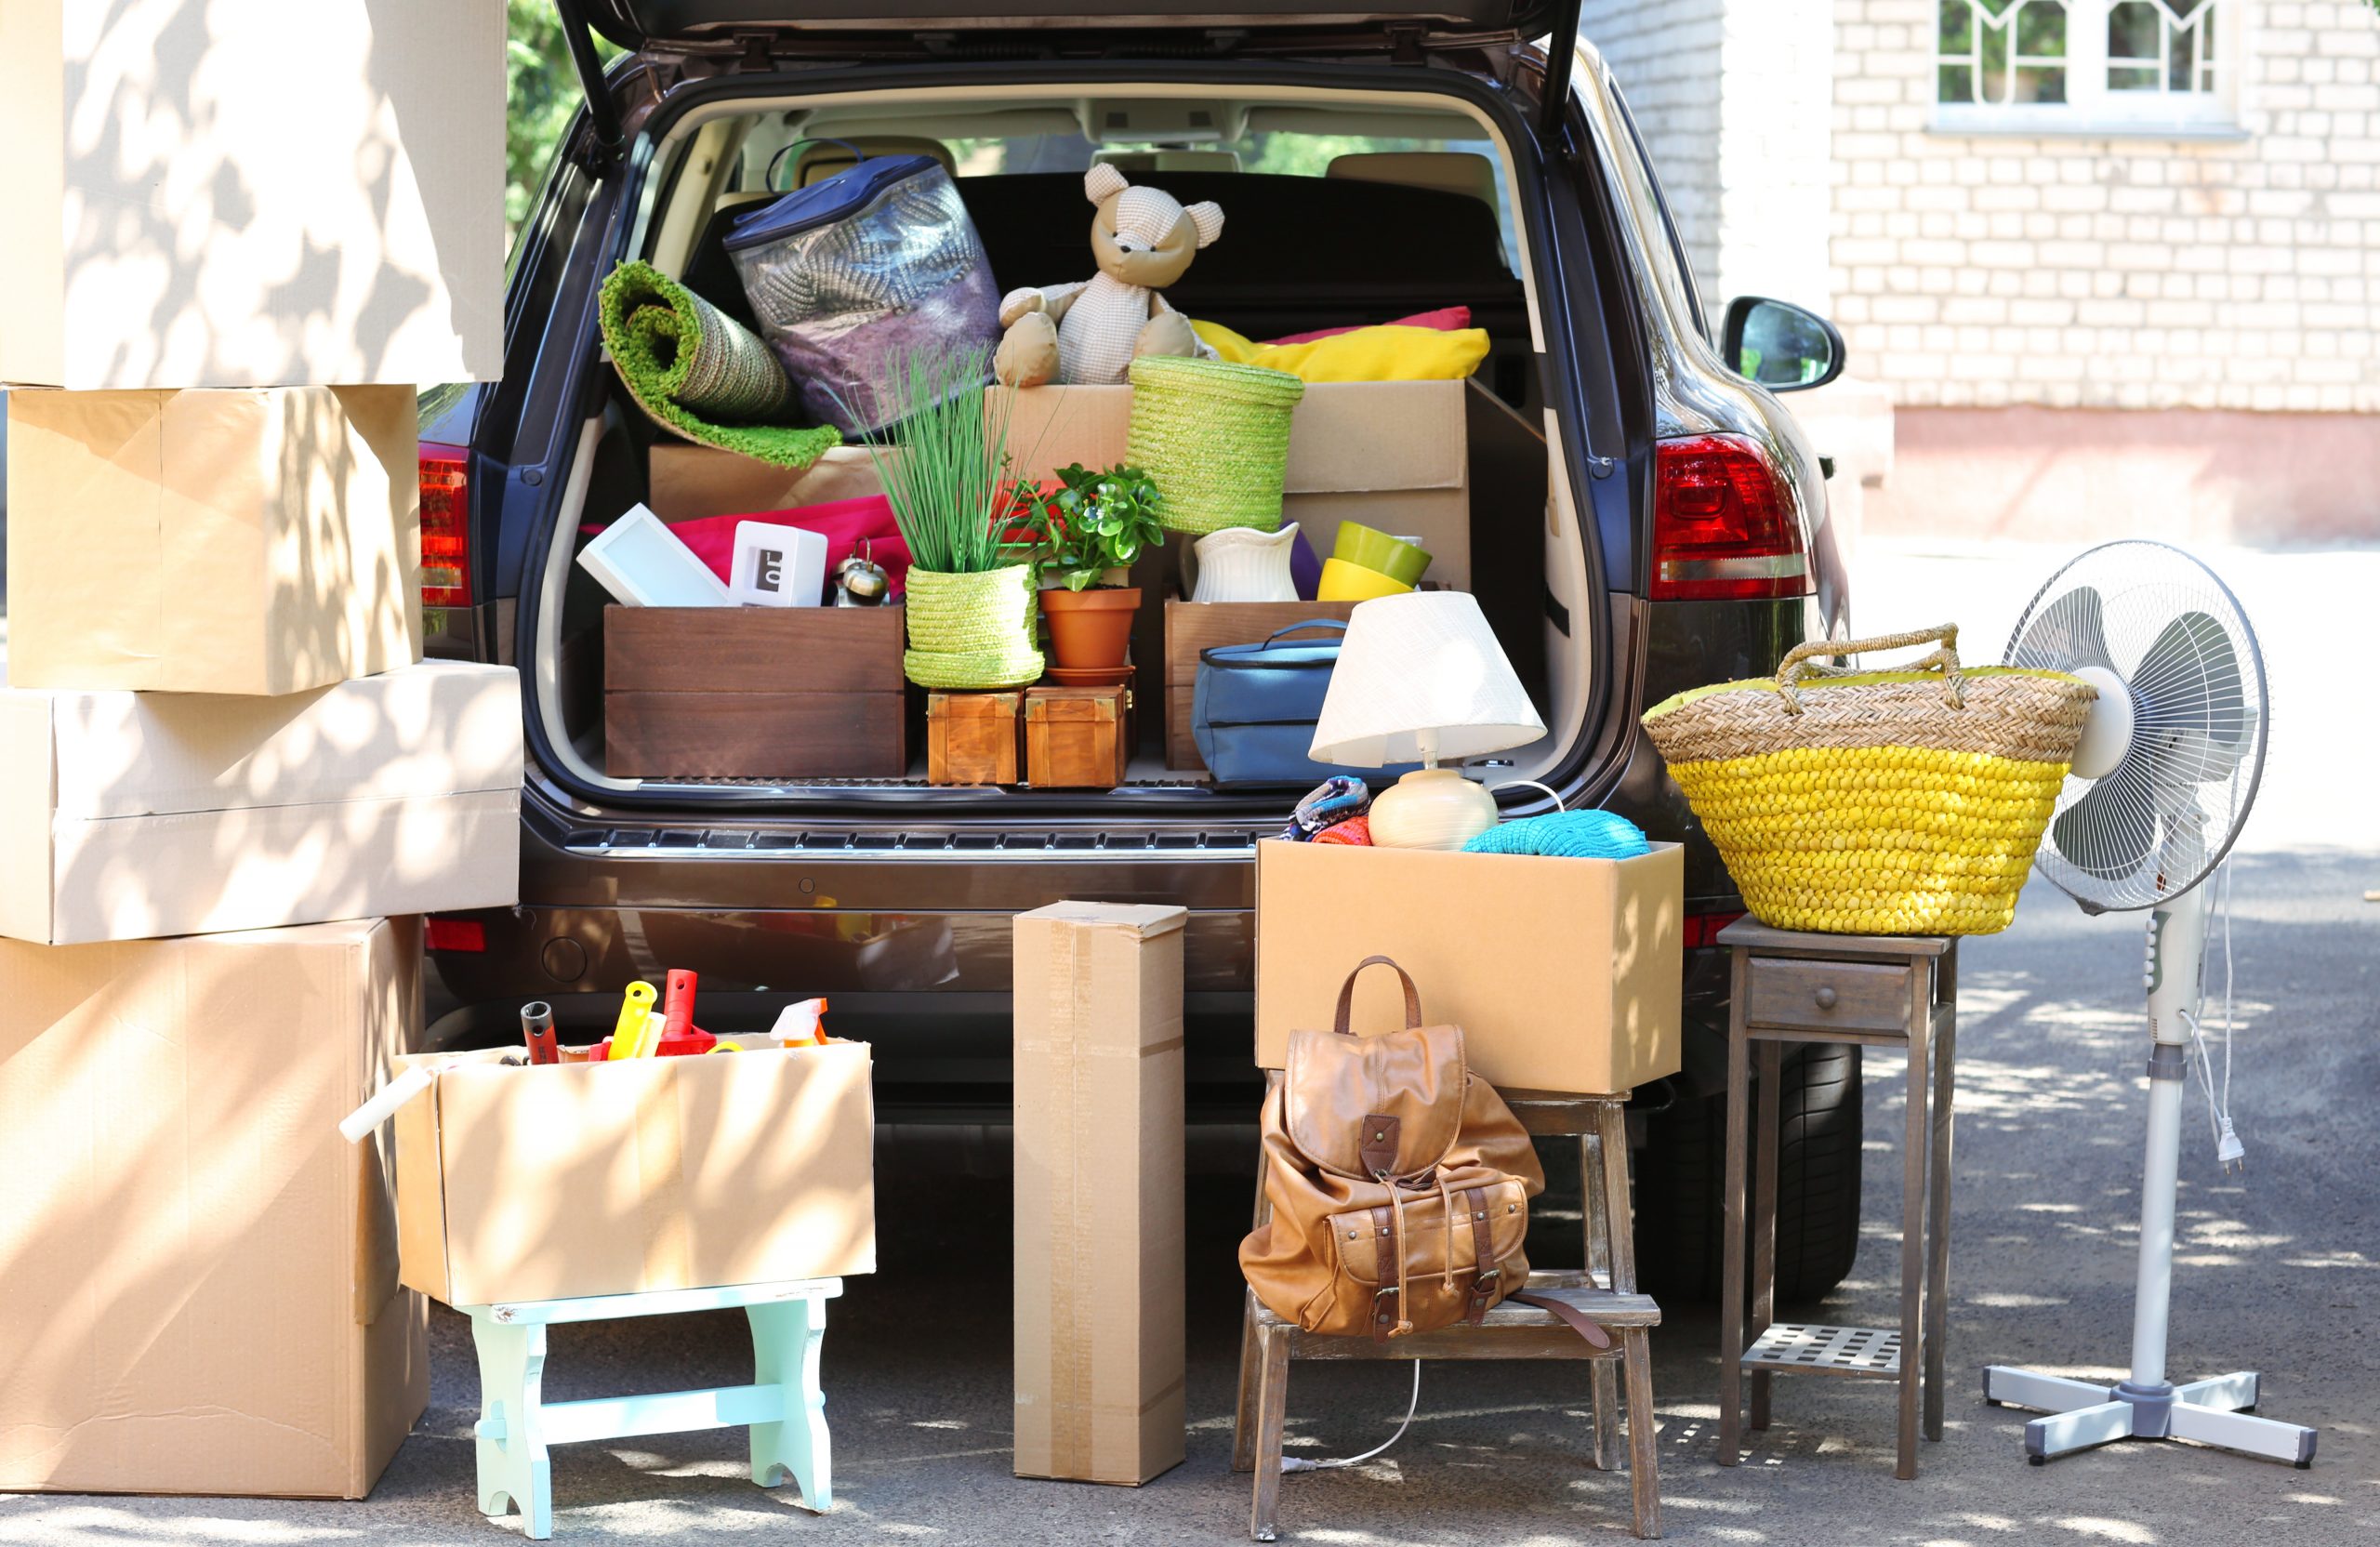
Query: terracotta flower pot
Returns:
{"type": "Point", "coordinates": [1090, 628]}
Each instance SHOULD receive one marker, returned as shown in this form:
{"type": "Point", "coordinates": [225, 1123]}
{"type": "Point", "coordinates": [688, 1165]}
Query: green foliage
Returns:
{"type": "Point", "coordinates": [1096, 522]}
{"type": "Point", "coordinates": [541, 96]}
{"type": "Point", "coordinates": [943, 460]}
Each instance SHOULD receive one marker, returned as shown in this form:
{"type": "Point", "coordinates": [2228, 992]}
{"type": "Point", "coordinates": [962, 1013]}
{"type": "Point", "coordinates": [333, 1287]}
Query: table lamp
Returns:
{"type": "Point", "coordinates": [1419, 678]}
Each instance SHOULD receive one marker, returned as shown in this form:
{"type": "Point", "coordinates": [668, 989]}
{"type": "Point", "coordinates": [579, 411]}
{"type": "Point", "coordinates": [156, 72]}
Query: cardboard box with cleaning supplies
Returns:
{"type": "Point", "coordinates": [1099, 1192]}
{"type": "Point", "coordinates": [252, 195]}
{"type": "Point", "coordinates": [560, 1181]}
{"type": "Point", "coordinates": [197, 1276]}
{"type": "Point", "coordinates": [130, 815]}
{"type": "Point", "coordinates": [262, 541]}
{"type": "Point", "coordinates": [1563, 973]}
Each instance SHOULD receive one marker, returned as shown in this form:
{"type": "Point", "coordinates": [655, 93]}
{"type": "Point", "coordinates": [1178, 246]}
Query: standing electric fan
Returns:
{"type": "Point", "coordinates": [2159, 788]}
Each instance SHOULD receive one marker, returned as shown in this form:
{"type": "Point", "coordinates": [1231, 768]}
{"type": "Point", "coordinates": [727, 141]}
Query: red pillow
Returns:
{"type": "Point", "coordinates": [846, 524]}
{"type": "Point", "coordinates": [1445, 319]}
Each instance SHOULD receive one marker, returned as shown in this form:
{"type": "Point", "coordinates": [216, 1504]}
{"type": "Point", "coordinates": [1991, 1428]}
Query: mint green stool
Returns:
{"type": "Point", "coordinates": [784, 1406]}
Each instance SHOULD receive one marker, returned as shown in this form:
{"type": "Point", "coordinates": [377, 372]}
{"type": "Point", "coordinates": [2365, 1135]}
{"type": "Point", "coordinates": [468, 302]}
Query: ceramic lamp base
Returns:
{"type": "Point", "coordinates": [1431, 808]}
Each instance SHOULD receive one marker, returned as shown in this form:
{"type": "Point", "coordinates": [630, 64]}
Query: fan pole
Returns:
{"type": "Point", "coordinates": [2082, 1413]}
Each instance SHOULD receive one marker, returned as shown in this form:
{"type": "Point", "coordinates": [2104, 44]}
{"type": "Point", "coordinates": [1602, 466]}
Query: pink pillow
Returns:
{"type": "Point", "coordinates": [1445, 319]}
{"type": "Point", "coordinates": [846, 524]}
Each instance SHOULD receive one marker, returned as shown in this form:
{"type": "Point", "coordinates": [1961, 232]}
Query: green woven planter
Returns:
{"type": "Point", "coordinates": [970, 630]}
{"type": "Point", "coordinates": [1216, 438]}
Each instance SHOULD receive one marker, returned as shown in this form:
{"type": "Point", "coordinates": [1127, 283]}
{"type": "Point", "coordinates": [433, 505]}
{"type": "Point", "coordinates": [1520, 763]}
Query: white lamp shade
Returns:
{"type": "Point", "coordinates": [1417, 665]}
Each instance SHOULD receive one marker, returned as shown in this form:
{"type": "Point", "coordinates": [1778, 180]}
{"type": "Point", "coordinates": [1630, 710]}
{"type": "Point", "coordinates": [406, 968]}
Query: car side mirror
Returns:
{"type": "Point", "coordinates": [1783, 347]}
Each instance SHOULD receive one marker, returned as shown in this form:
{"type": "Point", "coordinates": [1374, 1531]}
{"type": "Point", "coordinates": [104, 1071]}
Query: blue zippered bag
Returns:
{"type": "Point", "coordinates": [1253, 709]}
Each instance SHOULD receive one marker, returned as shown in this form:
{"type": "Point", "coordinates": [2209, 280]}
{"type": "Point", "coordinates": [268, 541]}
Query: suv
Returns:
{"type": "Point", "coordinates": [1644, 519]}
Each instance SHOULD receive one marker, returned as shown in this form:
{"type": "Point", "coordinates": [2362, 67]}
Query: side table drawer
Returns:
{"type": "Point", "coordinates": [1856, 995]}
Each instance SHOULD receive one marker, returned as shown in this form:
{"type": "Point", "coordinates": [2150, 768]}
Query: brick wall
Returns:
{"type": "Point", "coordinates": [1665, 54]}
{"type": "Point", "coordinates": [1974, 271]}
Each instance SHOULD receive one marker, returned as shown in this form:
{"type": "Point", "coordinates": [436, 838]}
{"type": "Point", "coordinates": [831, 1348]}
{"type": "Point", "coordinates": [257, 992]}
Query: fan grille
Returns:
{"type": "Point", "coordinates": [2169, 810]}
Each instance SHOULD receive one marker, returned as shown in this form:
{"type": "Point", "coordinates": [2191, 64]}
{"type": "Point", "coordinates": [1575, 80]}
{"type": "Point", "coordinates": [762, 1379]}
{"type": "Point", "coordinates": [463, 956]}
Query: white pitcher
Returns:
{"type": "Point", "coordinates": [1240, 563]}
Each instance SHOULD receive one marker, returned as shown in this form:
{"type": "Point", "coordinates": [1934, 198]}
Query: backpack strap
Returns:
{"type": "Point", "coordinates": [1392, 1248]}
{"type": "Point", "coordinates": [1484, 1269]}
{"type": "Point", "coordinates": [1347, 995]}
{"type": "Point", "coordinates": [1570, 1317]}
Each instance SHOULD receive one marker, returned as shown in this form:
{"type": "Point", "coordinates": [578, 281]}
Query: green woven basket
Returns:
{"type": "Point", "coordinates": [1216, 438]}
{"type": "Point", "coordinates": [970, 630]}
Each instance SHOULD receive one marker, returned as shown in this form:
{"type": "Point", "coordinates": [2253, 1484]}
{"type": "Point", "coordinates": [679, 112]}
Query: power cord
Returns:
{"type": "Point", "coordinates": [2228, 1150]}
{"type": "Point", "coordinates": [1299, 1463]}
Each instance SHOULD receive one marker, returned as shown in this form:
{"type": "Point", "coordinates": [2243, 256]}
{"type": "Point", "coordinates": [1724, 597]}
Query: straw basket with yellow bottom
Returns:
{"type": "Point", "coordinates": [1876, 802]}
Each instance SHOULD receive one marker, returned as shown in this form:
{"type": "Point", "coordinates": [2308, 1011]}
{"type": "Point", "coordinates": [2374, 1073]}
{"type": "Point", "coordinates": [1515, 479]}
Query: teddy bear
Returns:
{"type": "Point", "coordinates": [1090, 332]}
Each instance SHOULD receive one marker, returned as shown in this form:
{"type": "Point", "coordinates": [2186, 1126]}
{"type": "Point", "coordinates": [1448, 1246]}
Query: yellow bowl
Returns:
{"type": "Point", "coordinates": [1345, 582]}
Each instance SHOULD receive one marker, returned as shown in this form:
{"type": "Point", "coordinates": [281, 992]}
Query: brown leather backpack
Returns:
{"type": "Point", "coordinates": [1399, 1184]}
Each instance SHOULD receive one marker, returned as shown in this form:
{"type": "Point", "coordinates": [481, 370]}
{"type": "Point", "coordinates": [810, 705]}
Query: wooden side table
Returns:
{"type": "Point", "coordinates": [1878, 990]}
{"type": "Point", "coordinates": [783, 1407]}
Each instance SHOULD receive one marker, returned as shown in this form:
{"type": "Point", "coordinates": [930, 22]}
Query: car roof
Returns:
{"type": "Point", "coordinates": [668, 23]}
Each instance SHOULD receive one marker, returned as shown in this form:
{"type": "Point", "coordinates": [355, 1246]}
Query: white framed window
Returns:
{"type": "Point", "coordinates": [2086, 66]}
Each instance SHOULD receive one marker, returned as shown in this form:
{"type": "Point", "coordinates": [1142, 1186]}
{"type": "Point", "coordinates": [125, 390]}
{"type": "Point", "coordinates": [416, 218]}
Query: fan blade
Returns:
{"type": "Point", "coordinates": [2065, 634]}
{"type": "Point", "coordinates": [2189, 682]}
{"type": "Point", "coordinates": [2111, 830]}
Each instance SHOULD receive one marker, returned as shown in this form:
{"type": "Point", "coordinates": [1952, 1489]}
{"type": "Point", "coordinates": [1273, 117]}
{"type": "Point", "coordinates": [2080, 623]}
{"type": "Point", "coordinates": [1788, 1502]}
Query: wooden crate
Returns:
{"type": "Point", "coordinates": [1075, 737]}
{"type": "Point", "coordinates": [1191, 627]}
{"type": "Point", "coordinates": [971, 738]}
{"type": "Point", "coordinates": [754, 692]}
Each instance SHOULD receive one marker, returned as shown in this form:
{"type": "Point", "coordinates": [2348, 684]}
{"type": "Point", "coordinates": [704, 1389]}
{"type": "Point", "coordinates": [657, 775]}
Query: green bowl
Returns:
{"type": "Point", "coordinates": [1374, 549]}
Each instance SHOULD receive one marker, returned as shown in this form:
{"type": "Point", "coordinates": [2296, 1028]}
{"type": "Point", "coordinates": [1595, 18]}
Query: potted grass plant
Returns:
{"type": "Point", "coordinates": [1088, 531]}
{"type": "Point", "coordinates": [943, 460]}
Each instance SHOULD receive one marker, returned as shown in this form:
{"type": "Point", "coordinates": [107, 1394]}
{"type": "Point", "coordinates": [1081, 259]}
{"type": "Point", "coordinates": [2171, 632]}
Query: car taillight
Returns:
{"type": "Point", "coordinates": [1724, 524]}
{"type": "Point", "coordinates": [455, 934]}
{"type": "Point", "coordinates": [445, 526]}
{"type": "Point", "coordinates": [1702, 929]}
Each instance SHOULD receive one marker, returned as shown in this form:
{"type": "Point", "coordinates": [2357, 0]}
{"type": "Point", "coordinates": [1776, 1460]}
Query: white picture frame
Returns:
{"type": "Point", "coordinates": [777, 566]}
{"type": "Point", "coordinates": [642, 563]}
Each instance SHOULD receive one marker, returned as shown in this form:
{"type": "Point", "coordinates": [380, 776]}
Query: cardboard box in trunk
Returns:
{"type": "Point", "coordinates": [648, 1173]}
{"type": "Point", "coordinates": [1194, 627]}
{"type": "Point", "coordinates": [199, 1275]}
{"type": "Point", "coordinates": [233, 196]}
{"type": "Point", "coordinates": [261, 541]}
{"type": "Point", "coordinates": [686, 481]}
{"type": "Point", "coordinates": [754, 692]}
{"type": "Point", "coordinates": [1393, 455]}
{"type": "Point", "coordinates": [1564, 973]}
{"type": "Point", "coordinates": [1099, 1192]}
{"type": "Point", "coordinates": [129, 815]}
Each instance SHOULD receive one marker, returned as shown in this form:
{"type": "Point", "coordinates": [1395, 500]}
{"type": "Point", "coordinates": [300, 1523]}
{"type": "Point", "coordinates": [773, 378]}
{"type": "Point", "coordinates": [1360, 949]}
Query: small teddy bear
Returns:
{"type": "Point", "coordinates": [1090, 332]}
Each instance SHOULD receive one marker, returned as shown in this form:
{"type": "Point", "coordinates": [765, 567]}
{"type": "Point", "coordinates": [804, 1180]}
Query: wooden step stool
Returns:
{"type": "Point", "coordinates": [784, 1406]}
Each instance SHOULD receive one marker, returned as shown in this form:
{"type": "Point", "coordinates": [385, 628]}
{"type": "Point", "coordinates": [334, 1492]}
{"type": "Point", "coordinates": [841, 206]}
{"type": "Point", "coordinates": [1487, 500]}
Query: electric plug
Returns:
{"type": "Point", "coordinates": [2228, 1150]}
{"type": "Point", "coordinates": [1299, 1463]}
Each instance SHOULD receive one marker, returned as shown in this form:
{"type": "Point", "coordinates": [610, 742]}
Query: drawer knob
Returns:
{"type": "Point", "coordinates": [1826, 999]}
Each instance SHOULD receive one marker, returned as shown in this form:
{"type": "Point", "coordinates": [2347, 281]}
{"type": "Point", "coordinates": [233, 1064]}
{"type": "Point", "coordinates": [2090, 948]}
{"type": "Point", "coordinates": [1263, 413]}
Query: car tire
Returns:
{"type": "Point", "coordinates": [1684, 1161]}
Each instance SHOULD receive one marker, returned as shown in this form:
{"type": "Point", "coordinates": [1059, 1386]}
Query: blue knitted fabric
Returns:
{"type": "Point", "coordinates": [1570, 834]}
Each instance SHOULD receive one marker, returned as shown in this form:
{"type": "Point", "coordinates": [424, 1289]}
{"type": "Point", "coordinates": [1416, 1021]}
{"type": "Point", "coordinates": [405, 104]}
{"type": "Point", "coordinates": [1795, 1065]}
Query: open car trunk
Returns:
{"type": "Point", "coordinates": [1363, 235]}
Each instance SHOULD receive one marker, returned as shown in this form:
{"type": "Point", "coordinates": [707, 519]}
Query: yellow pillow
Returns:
{"type": "Point", "coordinates": [1384, 353]}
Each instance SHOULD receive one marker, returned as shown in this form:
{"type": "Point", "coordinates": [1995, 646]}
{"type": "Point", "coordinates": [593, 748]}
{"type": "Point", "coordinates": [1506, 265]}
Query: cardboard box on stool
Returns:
{"type": "Point", "coordinates": [198, 1276]}
{"type": "Point", "coordinates": [1564, 973]}
{"type": "Point", "coordinates": [1099, 1192]}
{"type": "Point", "coordinates": [648, 1173]}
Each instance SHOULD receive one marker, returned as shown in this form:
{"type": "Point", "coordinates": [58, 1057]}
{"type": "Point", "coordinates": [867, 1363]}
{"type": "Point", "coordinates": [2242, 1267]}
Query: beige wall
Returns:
{"type": "Point", "coordinates": [2239, 274]}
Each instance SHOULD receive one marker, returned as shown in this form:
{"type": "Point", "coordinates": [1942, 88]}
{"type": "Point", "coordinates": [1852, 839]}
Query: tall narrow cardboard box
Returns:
{"type": "Point", "coordinates": [1099, 1200]}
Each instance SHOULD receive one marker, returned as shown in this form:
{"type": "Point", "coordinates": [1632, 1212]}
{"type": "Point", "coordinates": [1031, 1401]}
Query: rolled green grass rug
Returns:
{"type": "Point", "coordinates": [700, 373]}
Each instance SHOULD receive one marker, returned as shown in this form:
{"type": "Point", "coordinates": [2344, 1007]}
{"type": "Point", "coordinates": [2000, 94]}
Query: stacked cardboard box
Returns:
{"type": "Point", "coordinates": [223, 763]}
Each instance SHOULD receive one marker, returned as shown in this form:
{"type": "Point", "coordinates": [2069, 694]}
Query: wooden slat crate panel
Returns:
{"type": "Point", "coordinates": [755, 736]}
{"type": "Point", "coordinates": [753, 648]}
{"type": "Point", "coordinates": [1191, 627]}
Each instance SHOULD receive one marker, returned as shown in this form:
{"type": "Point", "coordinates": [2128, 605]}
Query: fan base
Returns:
{"type": "Point", "coordinates": [2084, 1414]}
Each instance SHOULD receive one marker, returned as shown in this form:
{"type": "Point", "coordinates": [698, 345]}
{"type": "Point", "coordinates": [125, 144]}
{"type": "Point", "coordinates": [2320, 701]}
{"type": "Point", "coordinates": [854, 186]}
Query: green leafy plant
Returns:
{"type": "Point", "coordinates": [943, 460]}
{"type": "Point", "coordinates": [1095, 521]}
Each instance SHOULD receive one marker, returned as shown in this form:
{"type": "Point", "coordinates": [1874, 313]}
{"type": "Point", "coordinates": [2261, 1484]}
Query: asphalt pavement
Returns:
{"type": "Point", "coordinates": [2278, 1270]}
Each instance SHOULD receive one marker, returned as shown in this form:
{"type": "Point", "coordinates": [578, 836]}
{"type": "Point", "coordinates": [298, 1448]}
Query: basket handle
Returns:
{"type": "Point", "coordinates": [1944, 659]}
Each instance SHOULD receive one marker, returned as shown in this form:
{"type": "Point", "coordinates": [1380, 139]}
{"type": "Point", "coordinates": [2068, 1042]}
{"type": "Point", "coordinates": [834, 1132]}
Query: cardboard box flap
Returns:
{"type": "Point", "coordinates": [1141, 920]}
{"type": "Point", "coordinates": [1363, 437]}
{"type": "Point", "coordinates": [438, 728]}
